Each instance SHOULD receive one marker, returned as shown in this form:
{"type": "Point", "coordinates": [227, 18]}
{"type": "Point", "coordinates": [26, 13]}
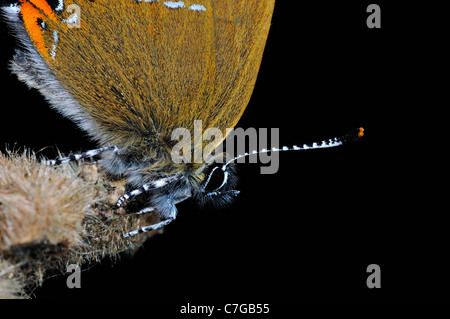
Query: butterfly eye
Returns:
{"type": "Point", "coordinates": [216, 179]}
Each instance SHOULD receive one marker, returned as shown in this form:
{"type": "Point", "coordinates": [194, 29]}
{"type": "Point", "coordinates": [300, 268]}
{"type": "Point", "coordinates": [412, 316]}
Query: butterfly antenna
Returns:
{"type": "Point", "coordinates": [332, 142]}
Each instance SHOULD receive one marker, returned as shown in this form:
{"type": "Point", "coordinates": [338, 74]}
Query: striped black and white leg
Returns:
{"type": "Point", "coordinates": [147, 187]}
{"type": "Point", "coordinates": [145, 229]}
{"type": "Point", "coordinates": [145, 210]}
{"type": "Point", "coordinates": [76, 157]}
{"type": "Point", "coordinates": [226, 193]}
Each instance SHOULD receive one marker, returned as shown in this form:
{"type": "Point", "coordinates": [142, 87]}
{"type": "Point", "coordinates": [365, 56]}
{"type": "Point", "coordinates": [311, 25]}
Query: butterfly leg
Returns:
{"type": "Point", "coordinates": [227, 193]}
{"type": "Point", "coordinates": [145, 210]}
{"type": "Point", "coordinates": [167, 211]}
{"type": "Point", "coordinates": [76, 157]}
{"type": "Point", "coordinates": [147, 188]}
{"type": "Point", "coordinates": [145, 229]}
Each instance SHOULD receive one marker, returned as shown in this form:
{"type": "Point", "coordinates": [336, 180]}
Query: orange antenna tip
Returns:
{"type": "Point", "coordinates": [361, 132]}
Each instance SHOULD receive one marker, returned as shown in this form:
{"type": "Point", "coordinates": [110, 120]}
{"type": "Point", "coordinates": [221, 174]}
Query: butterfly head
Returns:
{"type": "Point", "coordinates": [208, 184]}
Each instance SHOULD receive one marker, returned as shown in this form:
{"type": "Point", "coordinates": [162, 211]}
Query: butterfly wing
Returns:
{"type": "Point", "coordinates": [144, 68]}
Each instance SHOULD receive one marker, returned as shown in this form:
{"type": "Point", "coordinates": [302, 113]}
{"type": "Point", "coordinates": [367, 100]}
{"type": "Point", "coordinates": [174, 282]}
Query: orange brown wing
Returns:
{"type": "Point", "coordinates": [143, 68]}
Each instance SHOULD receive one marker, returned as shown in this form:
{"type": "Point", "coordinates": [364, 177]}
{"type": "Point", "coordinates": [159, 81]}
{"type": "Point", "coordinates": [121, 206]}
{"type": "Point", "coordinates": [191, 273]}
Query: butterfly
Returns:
{"type": "Point", "coordinates": [130, 72]}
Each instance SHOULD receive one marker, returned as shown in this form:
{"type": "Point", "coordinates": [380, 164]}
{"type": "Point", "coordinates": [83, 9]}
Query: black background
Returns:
{"type": "Point", "coordinates": [311, 230]}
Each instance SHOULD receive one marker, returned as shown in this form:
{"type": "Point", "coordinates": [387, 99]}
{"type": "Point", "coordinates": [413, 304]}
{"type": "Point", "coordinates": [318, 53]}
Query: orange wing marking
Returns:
{"type": "Point", "coordinates": [32, 11]}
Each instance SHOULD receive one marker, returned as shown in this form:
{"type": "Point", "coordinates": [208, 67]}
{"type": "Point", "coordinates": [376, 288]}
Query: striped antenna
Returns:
{"type": "Point", "coordinates": [333, 142]}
